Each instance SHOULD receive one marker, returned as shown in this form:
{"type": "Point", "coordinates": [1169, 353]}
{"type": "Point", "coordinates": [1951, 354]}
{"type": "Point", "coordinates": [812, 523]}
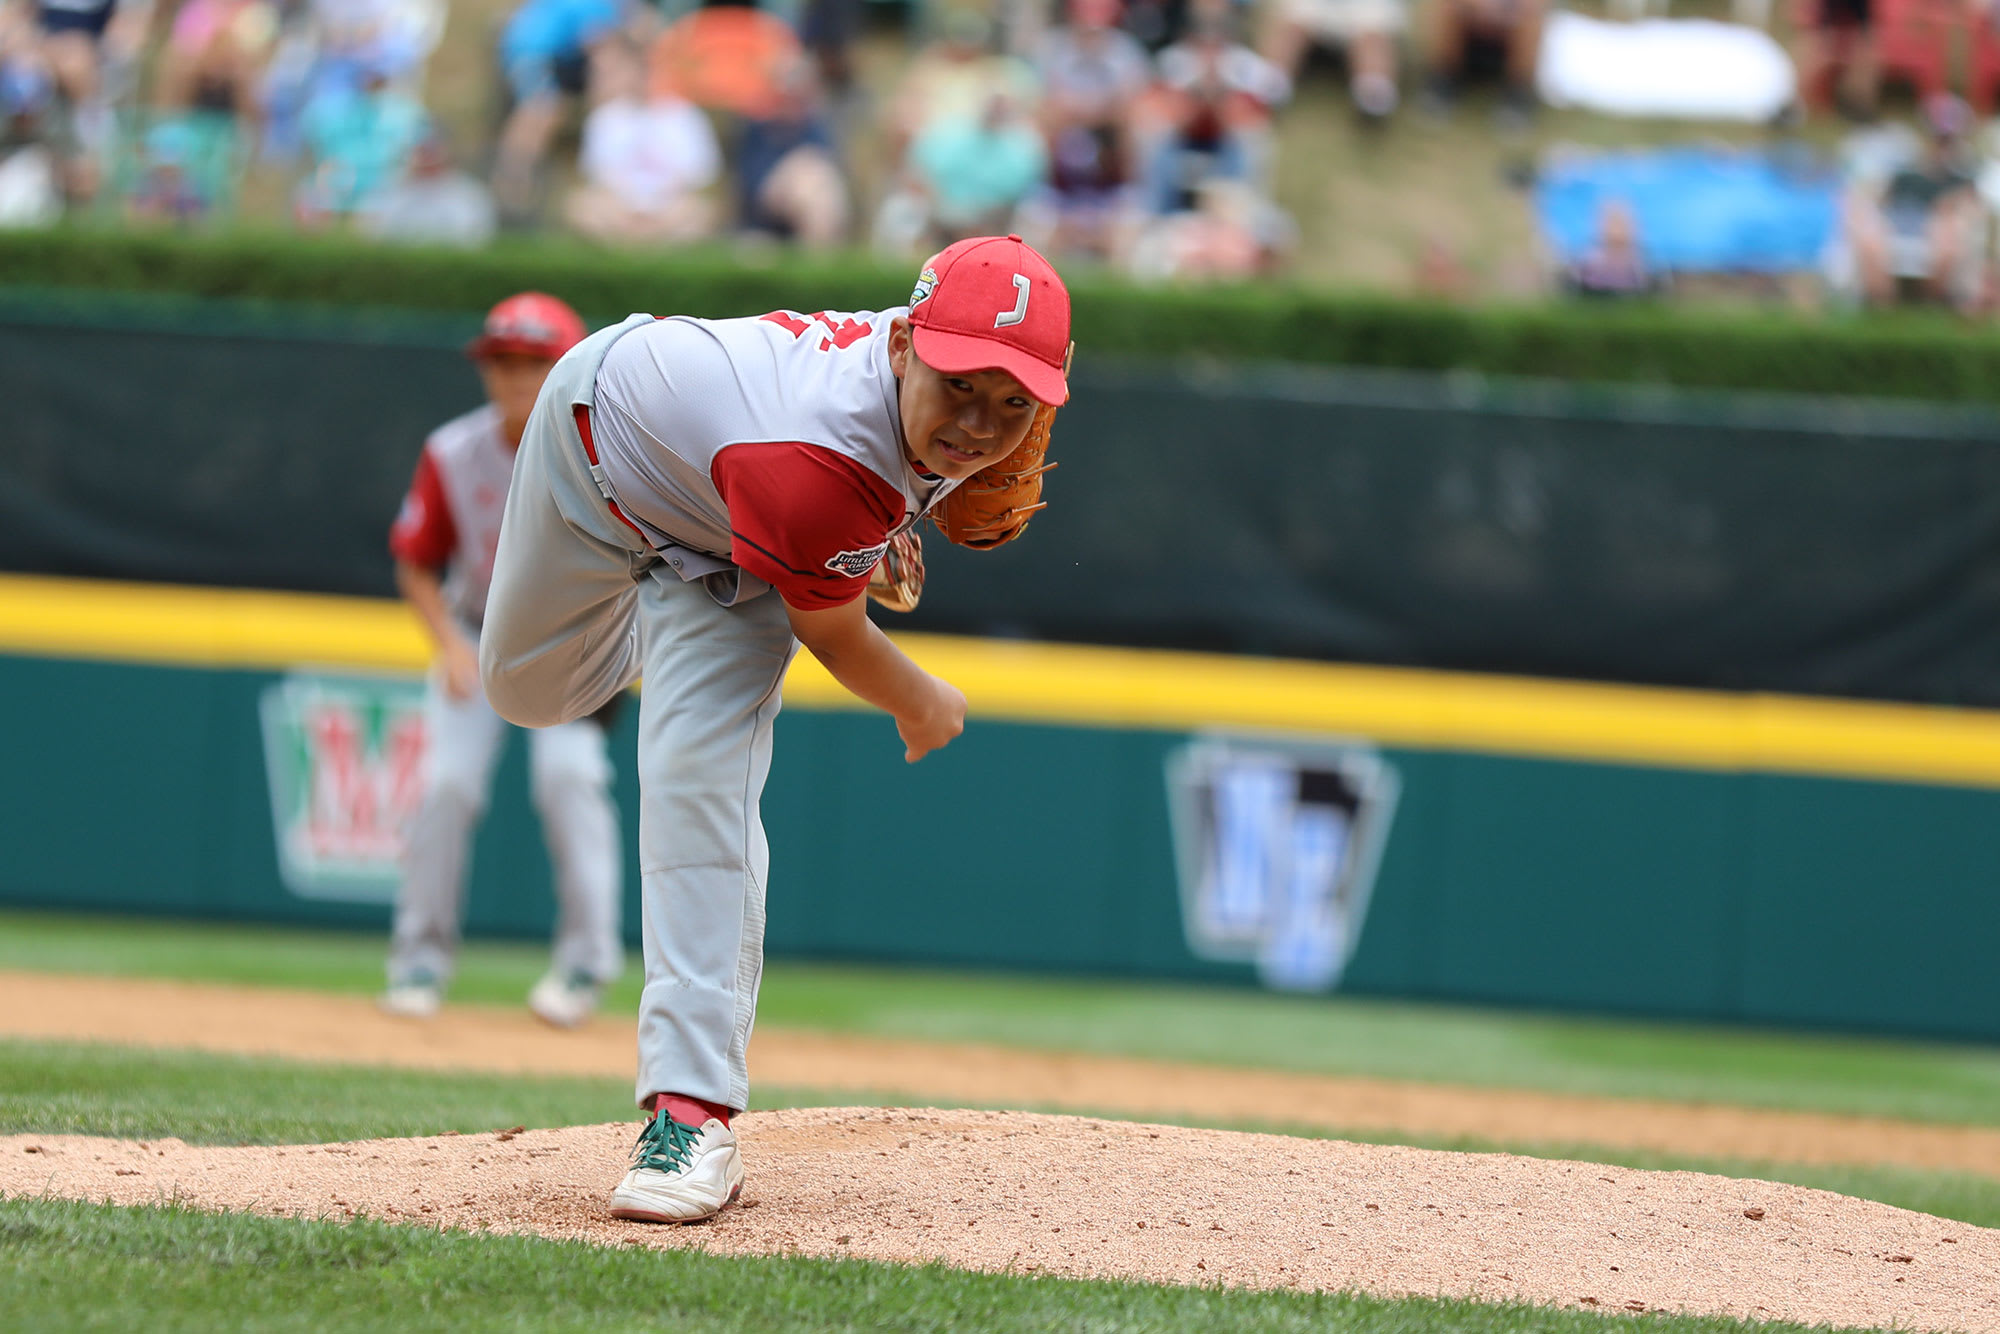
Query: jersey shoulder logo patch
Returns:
{"type": "Point", "coordinates": [854, 564]}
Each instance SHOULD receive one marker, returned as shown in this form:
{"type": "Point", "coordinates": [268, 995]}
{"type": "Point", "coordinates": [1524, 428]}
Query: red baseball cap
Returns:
{"type": "Point", "coordinates": [528, 324]}
{"type": "Point", "coordinates": [993, 303]}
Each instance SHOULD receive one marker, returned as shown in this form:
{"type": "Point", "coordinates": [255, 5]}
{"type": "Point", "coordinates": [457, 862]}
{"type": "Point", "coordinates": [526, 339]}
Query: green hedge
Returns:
{"type": "Point", "coordinates": [1906, 356]}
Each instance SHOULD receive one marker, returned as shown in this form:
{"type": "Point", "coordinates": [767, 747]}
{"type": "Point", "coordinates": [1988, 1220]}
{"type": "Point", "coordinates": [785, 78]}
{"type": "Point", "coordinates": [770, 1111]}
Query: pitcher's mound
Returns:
{"type": "Point", "coordinates": [1081, 1198]}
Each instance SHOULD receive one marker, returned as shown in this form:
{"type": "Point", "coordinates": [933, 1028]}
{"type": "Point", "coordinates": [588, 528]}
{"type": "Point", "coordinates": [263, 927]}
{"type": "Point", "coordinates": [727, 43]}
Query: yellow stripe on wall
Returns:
{"type": "Point", "coordinates": [204, 627]}
{"type": "Point", "coordinates": [1049, 683]}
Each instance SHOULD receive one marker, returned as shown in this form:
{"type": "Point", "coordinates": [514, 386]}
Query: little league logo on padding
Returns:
{"type": "Point", "coordinates": [1276, 842]}
{"type": "Point", "coordinates": [854, 564]}
{"type": "Point", "coordinates": [345, 761]}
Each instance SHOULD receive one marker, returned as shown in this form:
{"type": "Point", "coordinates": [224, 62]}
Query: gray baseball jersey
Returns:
{"type": "Point", "coordinates": [451, 519]}
{"type": "Point", "coordinates": [772, 443]}
{"type": "Point", "coordinates": [451, 516]}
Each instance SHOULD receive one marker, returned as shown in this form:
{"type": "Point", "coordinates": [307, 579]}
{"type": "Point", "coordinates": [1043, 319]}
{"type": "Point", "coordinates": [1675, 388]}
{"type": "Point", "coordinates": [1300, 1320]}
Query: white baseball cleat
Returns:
{"type": "Point", "coordinates": [565, 1000]}
{"type": "Point", "coordinates": [417, 998]}
{"type": "Point", "coordinates": [679, 1174]}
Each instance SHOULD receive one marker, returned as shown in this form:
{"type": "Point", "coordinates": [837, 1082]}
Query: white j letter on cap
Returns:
{"type": "Point", "coordinates": [1020, 310]}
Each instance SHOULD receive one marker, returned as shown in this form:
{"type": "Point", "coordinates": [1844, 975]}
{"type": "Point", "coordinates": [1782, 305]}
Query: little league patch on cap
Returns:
{"type": "Point", "coordinates": [993, 303]}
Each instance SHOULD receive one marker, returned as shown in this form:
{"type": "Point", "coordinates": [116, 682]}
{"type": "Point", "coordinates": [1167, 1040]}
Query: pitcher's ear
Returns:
{"type": "Point", "coordinates": [901, 346]}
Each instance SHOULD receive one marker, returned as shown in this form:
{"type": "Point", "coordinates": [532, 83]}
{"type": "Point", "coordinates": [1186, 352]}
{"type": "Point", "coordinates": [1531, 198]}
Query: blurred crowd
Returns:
{"type": "Point", "coordinates": [636, 124]}
{"type": "Point", "coordinates": [113, 105]}
{"type": "Point", "coordinates": [1140, 135]}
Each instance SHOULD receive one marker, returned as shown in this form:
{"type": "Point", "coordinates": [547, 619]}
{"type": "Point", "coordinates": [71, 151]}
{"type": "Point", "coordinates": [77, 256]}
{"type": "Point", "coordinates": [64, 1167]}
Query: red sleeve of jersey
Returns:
{"type": "Point", "coordinates": [423, 533]}
{"type": "Point", "coordinates": [809, 522]}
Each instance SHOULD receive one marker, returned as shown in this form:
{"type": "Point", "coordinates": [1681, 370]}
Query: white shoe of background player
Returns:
{"type": "Point", "coordinates": [416, 997]}
{"type": "Point", "coordinates": [565, 999]}
{"type": "Point", "coordinates": [679, 1174]}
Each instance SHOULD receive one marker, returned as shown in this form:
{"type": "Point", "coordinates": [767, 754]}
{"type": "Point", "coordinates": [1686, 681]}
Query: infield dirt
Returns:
{"type": "Point", "coordinates": [1072, 1196]}
{"type": "Point", "coordinates": [1082, 1198]}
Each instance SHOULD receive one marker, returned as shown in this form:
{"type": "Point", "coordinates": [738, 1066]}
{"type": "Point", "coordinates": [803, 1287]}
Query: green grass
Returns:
{"type": "Point", "coordinates": [138, 1093]}
{"type": "Point", "coordinates": [1861, 1076]}
{"type": "Point", "coordinates": [1440, 1044]}
{"type": "Point", "coordinates": [67, 1266]}
{"type": "Point", "coordinates": [335, 961]}
{"type": "Point", "coordinates": [135, 1093]}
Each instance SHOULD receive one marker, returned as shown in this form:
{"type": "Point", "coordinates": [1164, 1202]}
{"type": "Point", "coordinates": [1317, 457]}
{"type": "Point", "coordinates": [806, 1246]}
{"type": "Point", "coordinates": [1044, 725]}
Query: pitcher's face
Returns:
{"type": "Point", "coordinates": [957, 423]}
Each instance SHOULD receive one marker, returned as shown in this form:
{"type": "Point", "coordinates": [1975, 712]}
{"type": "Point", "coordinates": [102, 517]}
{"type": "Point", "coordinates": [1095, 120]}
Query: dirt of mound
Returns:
{"type": "Point", "coordinates": [312, 1026]}
{"type": "Point", "coordinates": [1076, 1197]}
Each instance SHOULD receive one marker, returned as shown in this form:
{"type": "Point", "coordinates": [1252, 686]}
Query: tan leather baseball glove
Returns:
{"type": "Point", "coordinates": [994, 505]}
{"type": "Point", "coordinates": [897, 580]}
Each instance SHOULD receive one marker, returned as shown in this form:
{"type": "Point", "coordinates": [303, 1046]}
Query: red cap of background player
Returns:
{"type": "Point", "coordinates": [993, 303]}
{"type": "Point", "coordinates": [528, 324]}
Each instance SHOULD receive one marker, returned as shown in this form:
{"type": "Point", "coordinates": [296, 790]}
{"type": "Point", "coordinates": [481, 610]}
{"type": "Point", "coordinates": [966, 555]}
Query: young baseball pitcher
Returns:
{"type": "Point", "coordinates": [444, 540]}
{"type": "Point", "coordinates": [693, 500]}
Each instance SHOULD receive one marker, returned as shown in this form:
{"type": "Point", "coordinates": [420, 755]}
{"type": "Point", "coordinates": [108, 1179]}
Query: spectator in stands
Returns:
{"type": "Point", "coordinates": [1011, 27]}
{"type": "Point", "coordinates": [30, 188]}
{"type": "Point", "coordinates": [288, 81]}
{"type": "Point", "coordinates": [1471, 39]}
{"type": "Point", "coordinates": [184, 168]}
{"type": "Point", "coordinates": [324, 46]}
{"type": "Point", "coordinates": [726, 58]}
{"type": "Point", "coordinates": [434, 203]}
{"type": "Point", "coordinates": [392, 37]}
{"type": "Point", "coordinates": [827, 27]}
{"type": "Point", "coordinates": [214, 57]}
{"type": "Point", "coordinates": [545, 55]}
{"type": "Point", "coordinates": [1093, 74]}
{"type": "Point", "coordinates": [1230, 232]}
{"type": "Point", "coordinates": [1155, 24]}
{"type": "Point", "coordinates": [965, 176]}
{"type": "Point", "coordinates": [73, 36]}
{"type": "Point", "coordinates": [790, 184]}
{"type": "Point", "coordinates": [1836, 41]}
{"type": "Point", "coordinates": [1614, 265]}
{"type": "Point", "coordinates": [358, 143]}
{"type": "Point", "coordinates": [1921, 235]}
{"type": "Point", "coordinates": [1211, 117]}
{"type": "Point", "coordinates": [1366, 31]}
{"type": "Point", "coordinates": [645, 161]}
{"type": "Point", "coordinates": [184, 158]}
{"type": "Point", "coordinates": [27, 83]}
{"type": "Point", "coordinates": [954, 79]}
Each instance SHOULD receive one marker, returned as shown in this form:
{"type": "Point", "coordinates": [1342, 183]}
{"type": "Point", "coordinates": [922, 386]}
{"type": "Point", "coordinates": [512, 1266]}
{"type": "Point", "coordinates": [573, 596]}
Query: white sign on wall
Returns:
{"type": "Point", "coordinates": [1277, 841]}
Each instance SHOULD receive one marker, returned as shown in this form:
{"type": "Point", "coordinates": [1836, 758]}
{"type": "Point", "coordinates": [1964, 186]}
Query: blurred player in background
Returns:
{"type": "Point", "coordinates": [444, 541]}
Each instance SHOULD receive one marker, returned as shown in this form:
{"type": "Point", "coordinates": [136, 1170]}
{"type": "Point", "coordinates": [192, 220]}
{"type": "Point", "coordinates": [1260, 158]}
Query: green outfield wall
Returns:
{"type": "Point", "coordinates": [1844, 547]}
{"type": "Point", "coordinates": [1693, 890]}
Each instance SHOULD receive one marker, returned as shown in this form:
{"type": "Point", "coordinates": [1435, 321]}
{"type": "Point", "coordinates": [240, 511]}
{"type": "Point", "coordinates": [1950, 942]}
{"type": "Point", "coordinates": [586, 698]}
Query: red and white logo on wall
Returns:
{"type": "Point", "coordinates": [345, 761]}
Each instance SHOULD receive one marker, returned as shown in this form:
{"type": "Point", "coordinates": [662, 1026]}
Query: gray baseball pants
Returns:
{"type": "Point", "coordinates": [580, 606]}
{"type": "Point", "coordinates": [570, 780]}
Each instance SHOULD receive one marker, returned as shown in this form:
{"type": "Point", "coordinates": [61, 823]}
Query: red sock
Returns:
{"type": "Point", "coordinates": [690, 1111]}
